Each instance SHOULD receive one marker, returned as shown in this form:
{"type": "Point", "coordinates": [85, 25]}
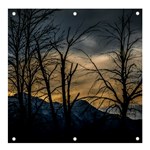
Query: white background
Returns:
{"type": "Point", "coordinates": [5, 4]}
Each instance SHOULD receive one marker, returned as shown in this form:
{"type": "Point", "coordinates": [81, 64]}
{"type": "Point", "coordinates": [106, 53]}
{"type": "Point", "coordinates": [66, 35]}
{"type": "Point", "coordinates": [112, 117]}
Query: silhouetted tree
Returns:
{"type": "Point", "coordinates": [15, 56]}
{"type": "Point", "coordinates": [123, 81]}
{"type": "Point", "coordinates": [23, 66]}
{"type": "Point", "coordinates": [70, 39]}
{"type": "Point", "coordinates": [43, 58]}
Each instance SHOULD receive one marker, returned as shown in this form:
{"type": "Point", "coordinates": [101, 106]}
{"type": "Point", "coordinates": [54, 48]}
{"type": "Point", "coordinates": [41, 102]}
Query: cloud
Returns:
{"type": "Point", "coordinates": [83, 79]}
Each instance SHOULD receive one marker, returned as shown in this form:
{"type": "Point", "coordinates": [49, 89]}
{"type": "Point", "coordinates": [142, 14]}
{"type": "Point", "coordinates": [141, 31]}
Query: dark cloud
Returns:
{"type": "Point", "coordinates": [91, 16]}
{"type": "Point", "coordinates": [88, 17]}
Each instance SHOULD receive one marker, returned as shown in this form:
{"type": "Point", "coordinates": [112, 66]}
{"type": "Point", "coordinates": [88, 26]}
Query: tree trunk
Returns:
{"type": "Point", "coordinates": [124, 109]}
{"type": "Point", "coordinates": [29, 104]}
{"type": "Point", "coordinates": [64, 90]}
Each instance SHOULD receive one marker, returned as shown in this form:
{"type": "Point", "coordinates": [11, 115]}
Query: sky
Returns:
{"type": "Point", "coordinates": [95, 46]}
{"type": "Point", "coordinates": [88, 17]}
